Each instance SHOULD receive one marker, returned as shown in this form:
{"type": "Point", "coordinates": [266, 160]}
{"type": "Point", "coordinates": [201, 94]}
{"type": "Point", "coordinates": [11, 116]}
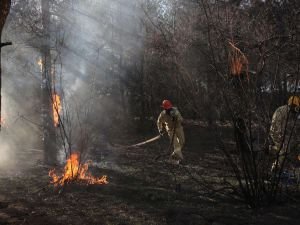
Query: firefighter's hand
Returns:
{"type": "Point", "coordinates": [274, 148]}
{"type": "Point", "coordinates": [161, 133]}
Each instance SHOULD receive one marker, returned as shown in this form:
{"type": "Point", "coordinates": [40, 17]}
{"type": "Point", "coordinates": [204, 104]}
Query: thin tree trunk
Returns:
{"type": "Point", "coordinates": [4, 11]}
{"type": "Point", "coordinates": [50, 153]}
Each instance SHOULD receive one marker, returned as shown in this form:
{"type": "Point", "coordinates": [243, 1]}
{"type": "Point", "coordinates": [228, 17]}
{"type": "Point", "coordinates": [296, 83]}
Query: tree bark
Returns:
{"type": "Point", "coordinates": [4, 11]}
{"type": "Point", "coordinates": [49, 137]}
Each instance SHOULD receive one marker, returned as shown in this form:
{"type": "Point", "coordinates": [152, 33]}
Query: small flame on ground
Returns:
{"type": "Point", "coordinates": [75, 171]}
{"type": "Point", "coordinates": [56, 105]}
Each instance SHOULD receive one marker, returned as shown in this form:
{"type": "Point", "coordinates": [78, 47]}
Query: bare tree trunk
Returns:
{"type": "Point", "coordinates": [4, 10]}
{"type": "Point", "coordinates": [50, 153]}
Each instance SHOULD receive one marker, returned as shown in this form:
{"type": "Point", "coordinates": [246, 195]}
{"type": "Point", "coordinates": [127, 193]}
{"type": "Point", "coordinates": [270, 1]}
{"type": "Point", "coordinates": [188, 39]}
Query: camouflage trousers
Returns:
{"type": "Point", "coordinates": [289, 155]}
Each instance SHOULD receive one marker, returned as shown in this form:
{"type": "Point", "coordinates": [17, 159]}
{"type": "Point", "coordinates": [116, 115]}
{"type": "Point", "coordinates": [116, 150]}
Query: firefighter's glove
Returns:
{"type": "Point", "coordinates": [274, 148]}
{"type": "Point", "coordinates": [161, 133]}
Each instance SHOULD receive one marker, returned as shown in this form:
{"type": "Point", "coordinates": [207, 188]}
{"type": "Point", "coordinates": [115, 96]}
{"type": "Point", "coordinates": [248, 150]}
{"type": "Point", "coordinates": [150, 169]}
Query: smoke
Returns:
{"type": "Point", "coordinates": [7, 155]}
{"type": "Point", "coordinates": [20, 102]}
{"type": "Point", "coordinates": [102, 41]}
{"type": "Point", "coordinates": [93, 45]}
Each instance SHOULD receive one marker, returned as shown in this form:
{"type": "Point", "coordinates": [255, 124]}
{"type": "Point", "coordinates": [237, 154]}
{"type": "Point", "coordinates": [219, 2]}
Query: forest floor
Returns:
{"type": "Point", "coordinates": [142, 190]}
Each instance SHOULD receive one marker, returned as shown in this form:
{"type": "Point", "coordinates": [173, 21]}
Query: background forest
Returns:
{"type": "Point", "coordinates": [118, 60]}
{"type": "Point", "coordinates": [90, 76]}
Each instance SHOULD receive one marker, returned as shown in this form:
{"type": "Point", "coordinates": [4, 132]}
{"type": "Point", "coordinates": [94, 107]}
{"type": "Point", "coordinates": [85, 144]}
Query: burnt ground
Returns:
{"type": "Point", "coordinates": [142, 190]}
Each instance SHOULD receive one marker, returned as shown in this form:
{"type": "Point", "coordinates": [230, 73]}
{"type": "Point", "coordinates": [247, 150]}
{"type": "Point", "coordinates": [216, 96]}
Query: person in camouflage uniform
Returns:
{"type": "Point", "coordinates": [171, 119]}
{"type": "Point", "coordinates": [284, 131]}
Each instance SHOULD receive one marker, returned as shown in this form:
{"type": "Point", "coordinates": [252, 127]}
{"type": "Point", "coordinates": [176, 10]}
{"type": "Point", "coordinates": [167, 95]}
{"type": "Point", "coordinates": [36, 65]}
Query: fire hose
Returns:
{"type": "Point", "coordinates": [145, 142]}
{"type": "Point", "coordinates": [155, 139]}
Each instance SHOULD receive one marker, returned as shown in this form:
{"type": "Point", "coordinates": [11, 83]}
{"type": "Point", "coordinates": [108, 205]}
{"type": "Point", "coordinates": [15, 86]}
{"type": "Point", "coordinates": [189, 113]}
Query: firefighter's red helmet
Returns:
{"type": "Point", "coordinates": [166, 104]}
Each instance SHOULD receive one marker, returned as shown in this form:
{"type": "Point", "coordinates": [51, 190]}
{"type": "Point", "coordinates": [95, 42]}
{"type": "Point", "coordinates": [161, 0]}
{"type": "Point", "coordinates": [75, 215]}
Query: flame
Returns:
{"type": "Point", "coordinates": [56, 105]}
{"type": "Point", "coordinates": [236, 66]}
{"type": "Point", "coordinates": [40, 63]}
{"type": "Point", "coordinates": [75, 171]}
{"type": "Point", "coordinates": [237, 60]}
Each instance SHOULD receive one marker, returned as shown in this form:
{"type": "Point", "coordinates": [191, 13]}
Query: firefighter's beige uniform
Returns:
{"type": "Point", "coordinates": [284, 133]}
{"type": "Point", "coordinates": [169, 123]}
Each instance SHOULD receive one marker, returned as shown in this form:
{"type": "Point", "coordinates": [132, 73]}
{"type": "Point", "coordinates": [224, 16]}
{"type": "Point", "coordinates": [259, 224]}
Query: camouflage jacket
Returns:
{"type": "Point", "coordinates": [284, 127]}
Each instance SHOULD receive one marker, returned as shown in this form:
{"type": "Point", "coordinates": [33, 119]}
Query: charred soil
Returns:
{"type": "Point", "coordinates": [143, 189]}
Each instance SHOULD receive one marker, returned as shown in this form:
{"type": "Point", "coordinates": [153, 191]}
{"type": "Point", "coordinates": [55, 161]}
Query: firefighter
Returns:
{"type": "Point", "coordinates": [284, 131]}
{"type": "Point", "coordinates": [170, 119]}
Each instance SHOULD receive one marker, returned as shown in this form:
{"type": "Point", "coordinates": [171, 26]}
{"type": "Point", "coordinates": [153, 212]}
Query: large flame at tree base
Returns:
{"type": "Point", "coordinates": [74, 171]}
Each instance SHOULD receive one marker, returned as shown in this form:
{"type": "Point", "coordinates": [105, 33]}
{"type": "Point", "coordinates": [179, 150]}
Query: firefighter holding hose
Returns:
{"type": "Point", "coordinates": [170, 119]}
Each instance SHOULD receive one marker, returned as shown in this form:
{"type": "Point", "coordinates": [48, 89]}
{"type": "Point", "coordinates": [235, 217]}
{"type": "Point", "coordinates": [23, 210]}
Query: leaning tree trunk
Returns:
{"type": "Point", "coordinates": [50, 151]}
{"type": "Point", "coordinates": [4, 10]}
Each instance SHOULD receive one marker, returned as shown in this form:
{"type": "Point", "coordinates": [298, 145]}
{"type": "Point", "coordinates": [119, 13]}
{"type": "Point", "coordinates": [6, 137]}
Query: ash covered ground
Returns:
{"type": "Point", "coordinates": [142, 189]}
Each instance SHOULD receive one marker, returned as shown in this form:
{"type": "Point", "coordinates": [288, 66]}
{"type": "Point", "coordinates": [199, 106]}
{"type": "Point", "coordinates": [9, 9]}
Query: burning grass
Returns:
{"type": "Point", "coordinates": [74, 171]}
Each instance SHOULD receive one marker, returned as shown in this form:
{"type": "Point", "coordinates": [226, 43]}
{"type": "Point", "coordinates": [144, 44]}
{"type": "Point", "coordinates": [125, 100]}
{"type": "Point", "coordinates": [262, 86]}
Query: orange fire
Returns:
{"type": "Point", "coordinates": [237, 61]}
{"type": "Point", "coordinates": [75, 171]}
{"type": "Point", "coordinates": [56, 105]}
{"type": "Point", "coordinates": [236, 66]}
